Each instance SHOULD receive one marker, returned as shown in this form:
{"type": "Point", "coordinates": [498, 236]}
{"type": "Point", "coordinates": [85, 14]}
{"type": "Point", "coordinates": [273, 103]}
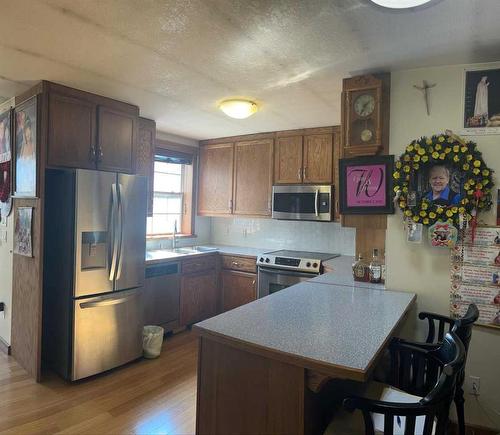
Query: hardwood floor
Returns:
{"type": "Point", "coordinates": [144, 397]}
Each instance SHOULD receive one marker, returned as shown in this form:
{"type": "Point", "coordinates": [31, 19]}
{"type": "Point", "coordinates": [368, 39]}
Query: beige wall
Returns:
{"type": "Point", "coordinates": [420, 268]}
{"type": "Point", "coordinates": [6, 278]}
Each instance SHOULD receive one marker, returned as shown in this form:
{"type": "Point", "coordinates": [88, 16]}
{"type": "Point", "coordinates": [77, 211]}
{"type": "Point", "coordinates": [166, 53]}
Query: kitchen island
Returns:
{"type": "Point", "coordinates": [254, 361]}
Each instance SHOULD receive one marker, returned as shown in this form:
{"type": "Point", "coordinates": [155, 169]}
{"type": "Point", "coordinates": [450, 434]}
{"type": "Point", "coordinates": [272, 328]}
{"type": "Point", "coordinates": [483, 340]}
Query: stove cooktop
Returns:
{"type": "Point", "coordinates": [302, 261]}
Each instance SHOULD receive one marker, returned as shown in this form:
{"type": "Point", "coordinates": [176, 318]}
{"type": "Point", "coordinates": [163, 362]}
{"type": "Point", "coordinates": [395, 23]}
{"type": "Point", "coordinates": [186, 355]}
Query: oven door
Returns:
{"type": "Point", "coordinates": [312, 203]}
{"type": "Point", "coordinates": [273, 280]}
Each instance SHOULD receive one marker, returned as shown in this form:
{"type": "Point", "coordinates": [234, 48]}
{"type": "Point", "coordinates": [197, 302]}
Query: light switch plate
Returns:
{"type": "Point", "coordinates": [3, 235]}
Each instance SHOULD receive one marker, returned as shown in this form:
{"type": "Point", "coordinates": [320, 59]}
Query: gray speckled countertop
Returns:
{"type": "Point", "coordinates": [165, 255]}
{"type": "Point", "coordinates": [336, 326]}
{"type": "Point", "coordinates": [342, 274]}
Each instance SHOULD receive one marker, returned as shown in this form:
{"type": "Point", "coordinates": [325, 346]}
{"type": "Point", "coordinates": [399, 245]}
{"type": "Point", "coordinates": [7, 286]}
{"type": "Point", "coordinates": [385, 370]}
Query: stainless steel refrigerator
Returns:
{"type": "Point", "coordinates": [94, 250]}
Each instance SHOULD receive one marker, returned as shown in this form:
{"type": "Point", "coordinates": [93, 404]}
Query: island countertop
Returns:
{"type": "Point", "coordinates": [338, 330]}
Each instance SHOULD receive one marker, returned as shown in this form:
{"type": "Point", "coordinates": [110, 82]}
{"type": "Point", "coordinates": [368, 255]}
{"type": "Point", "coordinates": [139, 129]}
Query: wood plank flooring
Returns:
{"type": "Point", "coordinates": [145, 397]}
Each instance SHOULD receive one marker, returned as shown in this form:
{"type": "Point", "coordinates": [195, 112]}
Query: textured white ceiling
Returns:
{"type": "Point", "coordinates": [177, 58]}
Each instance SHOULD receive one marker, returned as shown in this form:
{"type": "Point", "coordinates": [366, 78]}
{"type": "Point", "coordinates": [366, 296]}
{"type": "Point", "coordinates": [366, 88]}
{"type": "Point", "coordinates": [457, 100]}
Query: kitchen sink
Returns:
{"type": "Point", "coordinates": [194, 249]}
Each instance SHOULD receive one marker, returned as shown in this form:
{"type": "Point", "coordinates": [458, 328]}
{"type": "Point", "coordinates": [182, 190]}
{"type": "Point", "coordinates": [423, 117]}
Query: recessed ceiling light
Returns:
{"type": "Point", "coordinates": [238, 108]}
{"type": "Point", "coordinates": [400, 4]}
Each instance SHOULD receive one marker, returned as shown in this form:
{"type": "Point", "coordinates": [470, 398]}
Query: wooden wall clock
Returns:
{"type": "Point", "coordinates": [365, 115]}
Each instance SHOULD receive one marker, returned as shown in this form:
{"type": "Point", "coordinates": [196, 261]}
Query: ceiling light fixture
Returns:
{"type": "Point", "coordinates": [400, 4]}
{"type": "Point", "coordinates": [238, 108]}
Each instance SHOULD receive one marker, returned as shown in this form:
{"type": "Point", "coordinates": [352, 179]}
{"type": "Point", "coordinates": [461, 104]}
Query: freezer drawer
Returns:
{"type": "Point", "coordinates": [107, 332]}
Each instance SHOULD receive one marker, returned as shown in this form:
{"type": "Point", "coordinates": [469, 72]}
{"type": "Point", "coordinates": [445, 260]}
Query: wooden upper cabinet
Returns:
{"type": "Point", "coordinates": [337, 151]}
{"type": "Point", "coordinates": [215, 191]}
{"type": "Point", "coordinates": [144, 155]}
{"type": "Point", "coordinates": [318, 159]}
{"type": "Point", "coordinates": [71, 132]}
{"type": "Point", "coordinates": [116, 140]}
{"type": "Point", "coordinates": [253, 177]}
{"type": "Point", "coordinates": [288, 160]}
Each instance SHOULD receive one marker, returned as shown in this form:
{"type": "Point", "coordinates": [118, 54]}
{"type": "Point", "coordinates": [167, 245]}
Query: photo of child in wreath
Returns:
{"type": "Point", "coordinates": [441, 186]}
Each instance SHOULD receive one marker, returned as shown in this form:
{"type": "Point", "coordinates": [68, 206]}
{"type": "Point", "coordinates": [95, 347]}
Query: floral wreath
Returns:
{"type": "Point", "coordinates": [453, 152]}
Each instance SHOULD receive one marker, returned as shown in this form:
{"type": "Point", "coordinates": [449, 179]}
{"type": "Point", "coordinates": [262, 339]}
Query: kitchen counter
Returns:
{"type": "Point", "coordinates": [341, 274]}
{"type": "Point", "coordinates": [166, 255]}
{"type": "Point", "coordinates": [271, 353]}
{"type": "Point", "coordinates": [336, 329]}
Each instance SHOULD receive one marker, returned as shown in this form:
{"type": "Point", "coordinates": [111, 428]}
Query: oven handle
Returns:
{"type": "Point", "coordinates": [277, 271]}
{"type": "Point", "coordinates": [316, 197]}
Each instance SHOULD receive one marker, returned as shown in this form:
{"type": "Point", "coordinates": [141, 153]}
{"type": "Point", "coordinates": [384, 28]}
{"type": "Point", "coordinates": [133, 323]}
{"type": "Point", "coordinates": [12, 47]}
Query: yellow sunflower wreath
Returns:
{"type": "Point", "coordinates": [451, 151]}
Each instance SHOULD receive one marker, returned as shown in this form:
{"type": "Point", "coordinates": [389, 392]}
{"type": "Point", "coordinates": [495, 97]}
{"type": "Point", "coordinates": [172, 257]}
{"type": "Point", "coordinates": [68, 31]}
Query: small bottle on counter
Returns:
{"type": "Point", "coordinates": [375, 268]}
{"type": "Point", "coordinates": [360, 269]}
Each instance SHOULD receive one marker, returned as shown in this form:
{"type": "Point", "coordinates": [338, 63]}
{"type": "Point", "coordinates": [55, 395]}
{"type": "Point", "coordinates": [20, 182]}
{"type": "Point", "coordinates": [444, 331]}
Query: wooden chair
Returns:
{"type": "Point", "coordinates": [463, 328]}
{"type": "Point", "coordinates": [410, 365]}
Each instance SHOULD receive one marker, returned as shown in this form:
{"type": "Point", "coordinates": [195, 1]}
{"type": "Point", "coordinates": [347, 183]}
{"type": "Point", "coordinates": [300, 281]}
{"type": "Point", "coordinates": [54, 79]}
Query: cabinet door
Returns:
{"type": "Point", "coordinates": [238, 288]}
{"type": "Point", "coordinates": [215, 192]}
{"type": "Point", "coordinates": [161, 300]}
{"type": "Point", "coordinates": [288, 160]}
{"type": "Point", "coordinates": [253, 177]}
{"type": "Point", "coordinates": [144, 155]}
{"type": "Point", "coordinates": [337, 149]}
{"type": "Point", "coordinates": [116, 140]}
{"type": "Point", "coordinates": [72, 132]}
{"type": "Point", "coordinates": [318, 159]}
{"type": "Point", "coordinates": [198, 297]}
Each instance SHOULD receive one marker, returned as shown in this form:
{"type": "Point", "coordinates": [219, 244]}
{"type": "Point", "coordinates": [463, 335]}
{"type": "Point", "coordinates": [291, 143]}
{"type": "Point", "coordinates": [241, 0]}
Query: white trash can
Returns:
{"type": "Point", "coordinates": [152, 339]}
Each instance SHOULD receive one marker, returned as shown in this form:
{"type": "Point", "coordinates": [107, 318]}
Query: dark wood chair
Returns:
{"type": "Point", "coordinates": [438, 325]}
{"type": "Point", "coordinates": [410, 366]}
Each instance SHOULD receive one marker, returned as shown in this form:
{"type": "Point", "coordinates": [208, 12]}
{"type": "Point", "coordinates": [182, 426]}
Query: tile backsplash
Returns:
{"type": "Point", "coordinates": [278, 234]}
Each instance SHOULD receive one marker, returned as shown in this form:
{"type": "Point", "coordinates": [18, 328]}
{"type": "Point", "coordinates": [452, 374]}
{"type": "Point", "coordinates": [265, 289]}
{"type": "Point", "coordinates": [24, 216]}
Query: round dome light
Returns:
{"type": "Point", "coordinates": [400, 4]}
{"type": "Point", "coordinates": [239, 109]}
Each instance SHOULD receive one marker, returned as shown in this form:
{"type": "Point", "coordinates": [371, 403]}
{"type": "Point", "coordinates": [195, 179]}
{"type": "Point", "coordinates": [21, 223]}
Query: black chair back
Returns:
{"type": "Point", "coordinates": [412, 365]}
{"type": "Point", "coordinates": [463, 326]}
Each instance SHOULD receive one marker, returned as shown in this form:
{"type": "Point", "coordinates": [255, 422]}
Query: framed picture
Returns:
{"type": "Point", "coordinates": [481, 102]}
{"type": "Point", "coordinates": [5, 164]}
{"type": "Point", "coordinates": [440, 183]}
{"type": "Point", "coordinates": [22, 232]}
{"type": "Point", "coordinates": [26, 149]}
{"type": "Point", "coordinates": [366, 185]}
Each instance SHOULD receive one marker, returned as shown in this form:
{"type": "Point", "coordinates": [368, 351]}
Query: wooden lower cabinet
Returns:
{"type": "Point", "coordinates": [198, 299]}
{"type": "Point", "coordinates": [238, 288]}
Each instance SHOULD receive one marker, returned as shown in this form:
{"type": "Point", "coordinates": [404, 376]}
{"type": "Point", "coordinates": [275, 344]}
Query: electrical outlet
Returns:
{"type": "Point", "coordinates": [475, 385]}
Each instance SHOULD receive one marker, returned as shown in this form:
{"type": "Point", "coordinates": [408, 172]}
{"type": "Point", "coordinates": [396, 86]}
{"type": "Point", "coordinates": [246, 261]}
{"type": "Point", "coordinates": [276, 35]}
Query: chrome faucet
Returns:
{"type": "Point", "coordinates": [174, 238]}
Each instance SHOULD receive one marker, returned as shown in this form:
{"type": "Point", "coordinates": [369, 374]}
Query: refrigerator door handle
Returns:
{"type": "Point", "coordinates": [113, 229]}
{"type": "Point", "coordinates": [120, 219]}
{"type": "Point", "coordinates": [105, 302]}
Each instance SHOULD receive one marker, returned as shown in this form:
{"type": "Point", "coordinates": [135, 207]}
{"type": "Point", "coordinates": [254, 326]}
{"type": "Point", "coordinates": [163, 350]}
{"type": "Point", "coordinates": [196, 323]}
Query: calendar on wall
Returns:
{"type": "Point", "coordinates": [475, 275]}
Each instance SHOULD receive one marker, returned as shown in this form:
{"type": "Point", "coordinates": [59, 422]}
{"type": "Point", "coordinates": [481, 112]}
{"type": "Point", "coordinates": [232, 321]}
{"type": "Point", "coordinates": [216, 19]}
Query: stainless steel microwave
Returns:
{"type": "Point", "coordinates": [302, 202]}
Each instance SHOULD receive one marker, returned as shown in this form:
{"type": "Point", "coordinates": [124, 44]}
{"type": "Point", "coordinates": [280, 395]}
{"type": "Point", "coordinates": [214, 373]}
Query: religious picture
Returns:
{"type": "Point", "coordinates": [439, 184]}
{"type": "Point", "coordinates": [22, 232]}
{"type": "Point", "coordinates": [366, 185]}
{"type": "Point", "coordinates": [25, 145]}
{"type": "Point", "coordinates": [482, 102]}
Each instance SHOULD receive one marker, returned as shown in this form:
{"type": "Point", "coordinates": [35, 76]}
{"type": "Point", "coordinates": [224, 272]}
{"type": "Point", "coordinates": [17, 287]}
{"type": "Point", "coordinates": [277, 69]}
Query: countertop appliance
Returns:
{"type": "Point", "coordinates": [95, 243]}
{"type": "Point", "coordinates": [280, 269]}
{"type": "Point", "coordinates": [303, 202]}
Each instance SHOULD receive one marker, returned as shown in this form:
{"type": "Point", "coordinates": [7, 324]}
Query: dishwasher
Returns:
{"type": "Point", "coordinates": [161, 295]}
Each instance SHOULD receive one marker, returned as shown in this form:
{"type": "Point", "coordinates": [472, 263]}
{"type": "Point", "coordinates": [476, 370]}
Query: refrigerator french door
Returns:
{"type": "Point", "coordinates": [95, 226]}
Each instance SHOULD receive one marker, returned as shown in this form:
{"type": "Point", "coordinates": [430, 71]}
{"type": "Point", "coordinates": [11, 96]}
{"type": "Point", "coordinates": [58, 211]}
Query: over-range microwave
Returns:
{"type": "Point", "coordinates": [303, 202]}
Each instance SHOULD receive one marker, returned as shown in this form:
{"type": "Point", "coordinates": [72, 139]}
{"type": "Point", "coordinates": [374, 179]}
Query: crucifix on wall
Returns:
{"type": "Point", "coordinates": [425, 90]}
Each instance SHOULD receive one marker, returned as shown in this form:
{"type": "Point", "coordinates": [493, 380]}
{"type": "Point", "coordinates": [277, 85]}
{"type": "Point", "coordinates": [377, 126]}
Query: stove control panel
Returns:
{"type": "Point", "coordinates": [299, 264]}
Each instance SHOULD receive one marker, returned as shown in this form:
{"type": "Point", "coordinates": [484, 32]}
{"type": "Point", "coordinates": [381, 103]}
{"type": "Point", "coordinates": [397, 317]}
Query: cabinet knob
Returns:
{"type": "Point", "coordinates": [299, 173]}
{"type": "Point", "coordinates": [234, 263]}
{"type": "Point", "coordinates": [304, 172]}
{"type": "Point", "coordinates": [100, 155]}
{"type": "Point", "coordinates": [230, 205]}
